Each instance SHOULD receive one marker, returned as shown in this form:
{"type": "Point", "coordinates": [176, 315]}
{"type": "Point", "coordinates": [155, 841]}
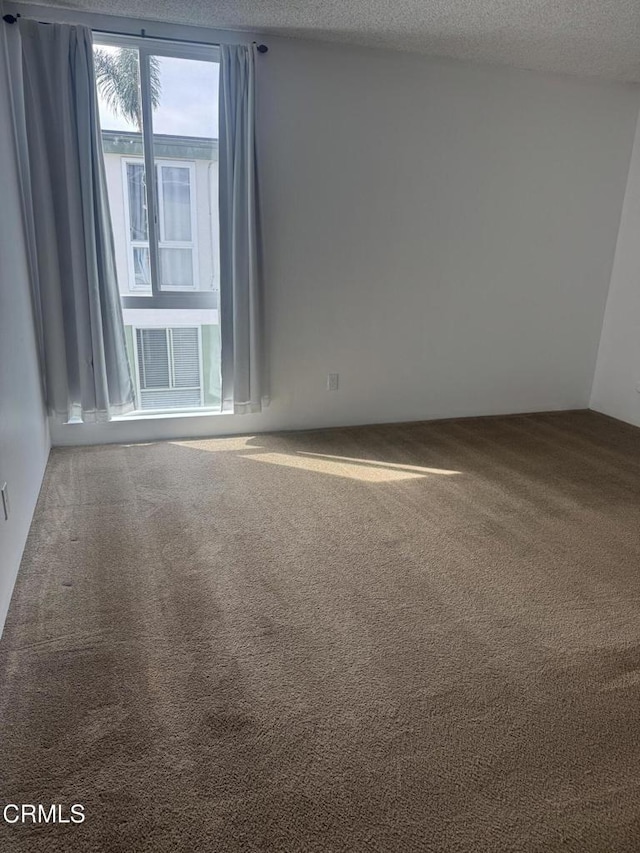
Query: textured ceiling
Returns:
{"type": "Point", "coordinates": [586, 37]}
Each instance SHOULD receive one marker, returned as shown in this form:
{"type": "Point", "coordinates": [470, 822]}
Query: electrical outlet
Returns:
{"type": "Point", "coordinates": [332, 382]}
{"type": "Point", "coordinates": [4, 491]}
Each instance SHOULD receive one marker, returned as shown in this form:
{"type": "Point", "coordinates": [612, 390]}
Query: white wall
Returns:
{"type": "Point", "coordinates": [440, 234]}
{"type": "Point", "coordinates": [616, 386]}
{"type": "Point", "coordinates": [24, 439]}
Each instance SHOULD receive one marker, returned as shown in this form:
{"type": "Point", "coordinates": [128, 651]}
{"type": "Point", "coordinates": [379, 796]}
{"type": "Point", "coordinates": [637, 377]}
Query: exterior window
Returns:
{"type": "Point", "coordinates": [177, 214]}
{"type": "Point", "coordinates": [138, 226]}
{"type": "Point", "coordinates": [169, 368]}
{"type": "Point", "coordinates": [176, 243]}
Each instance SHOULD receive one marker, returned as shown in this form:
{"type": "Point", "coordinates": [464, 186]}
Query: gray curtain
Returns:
{"type": "Point", "coordinates": [87, 374]}
{"type": "Point", "coordinates": [243, 364]}
{"type": "Point", "coordinates": [14, 54]}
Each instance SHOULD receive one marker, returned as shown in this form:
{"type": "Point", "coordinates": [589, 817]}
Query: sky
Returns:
{"type": "Point", "coordinates": [188, 101]}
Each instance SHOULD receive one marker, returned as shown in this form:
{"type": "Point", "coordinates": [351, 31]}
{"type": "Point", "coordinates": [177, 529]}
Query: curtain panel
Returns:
{"type": "Point", "coordinates": [86, 370]}
{"type": "Point", "coordinates": [241, 297]}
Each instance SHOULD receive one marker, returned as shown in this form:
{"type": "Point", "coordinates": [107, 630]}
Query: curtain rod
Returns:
{"type": "Point", "coordinates": [261, 48]}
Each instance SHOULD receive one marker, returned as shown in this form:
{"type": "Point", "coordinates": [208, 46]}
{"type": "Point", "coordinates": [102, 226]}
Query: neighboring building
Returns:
{"type": "Point", "coordinates": [174, 353]}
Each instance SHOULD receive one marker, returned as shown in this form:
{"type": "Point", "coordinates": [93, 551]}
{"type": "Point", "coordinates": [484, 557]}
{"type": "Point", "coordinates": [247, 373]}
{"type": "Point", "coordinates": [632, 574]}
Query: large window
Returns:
{"type": "Point", "coordinates": [159, 117]}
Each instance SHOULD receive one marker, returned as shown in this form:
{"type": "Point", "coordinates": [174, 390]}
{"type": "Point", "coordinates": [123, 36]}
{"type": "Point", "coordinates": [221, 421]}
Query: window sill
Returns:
{"type": "Point", "coordinates": [154, 416]}
{"type": "Point", "coordinates": [174, 426]}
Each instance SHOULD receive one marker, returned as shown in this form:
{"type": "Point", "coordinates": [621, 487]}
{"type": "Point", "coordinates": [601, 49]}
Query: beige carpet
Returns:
{"type": "Point", "coordinates": [403, 638]}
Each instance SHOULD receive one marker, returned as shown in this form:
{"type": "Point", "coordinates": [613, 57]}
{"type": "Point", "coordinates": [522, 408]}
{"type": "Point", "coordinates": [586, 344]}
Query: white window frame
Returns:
{"type": "Point", "coordinates": [167, 329]}
{"type": "Point", "coordinates": [162, 243]}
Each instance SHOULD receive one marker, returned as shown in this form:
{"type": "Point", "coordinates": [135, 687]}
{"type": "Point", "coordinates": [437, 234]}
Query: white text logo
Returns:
{"type": "Point", "coordinates": [39, 813]}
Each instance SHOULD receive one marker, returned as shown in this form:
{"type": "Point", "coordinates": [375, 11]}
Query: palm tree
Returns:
{"type": "Point", "coordinates": [118, 80]}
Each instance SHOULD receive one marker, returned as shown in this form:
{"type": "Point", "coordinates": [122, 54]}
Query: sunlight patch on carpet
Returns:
{"type": "Point", "coordinates": [365, 470]}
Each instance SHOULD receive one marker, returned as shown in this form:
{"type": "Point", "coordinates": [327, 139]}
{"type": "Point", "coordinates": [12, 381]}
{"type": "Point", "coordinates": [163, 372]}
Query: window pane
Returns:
{"type": "Point", "coordinates": [188, 105]}
{"type": "Point", "coordinates": [138, 223]}
{"type": "Point", "coordinates": [153, 358]}
{"type": "Point", "coordinates": [186, 358]}
{"type": "Point", "coordinates": [185, 149]}
{"type": "Point", "coordinates": [117, 73]}
{"type": "Point", "coordinates": [176, 268]}
{"type": "Point", "coordinates": [176, 203]}
{"type": "Point", "coordinates": [142, 267]}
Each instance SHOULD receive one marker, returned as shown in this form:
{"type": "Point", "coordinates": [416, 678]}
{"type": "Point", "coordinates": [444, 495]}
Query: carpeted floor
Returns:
{"type": "Point", "coordinates": [410, 638]}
